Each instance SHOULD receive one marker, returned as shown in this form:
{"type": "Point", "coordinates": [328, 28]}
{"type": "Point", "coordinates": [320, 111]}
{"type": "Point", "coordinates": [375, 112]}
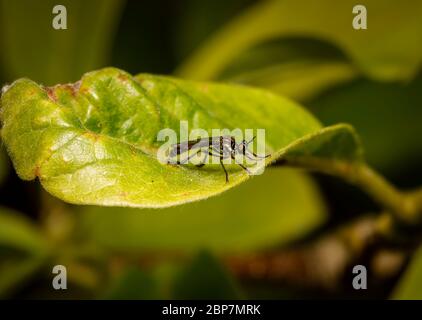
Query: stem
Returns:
{"type": "Point", "coordinates": [381, 190]}
{"type": "Point", "coordinates": [323, 263]}
{"type": "Point", "coordinates": [406, 208]}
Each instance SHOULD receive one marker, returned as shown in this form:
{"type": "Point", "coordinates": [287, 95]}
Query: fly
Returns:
{"type": "Point", "coordinates": [222, 147]}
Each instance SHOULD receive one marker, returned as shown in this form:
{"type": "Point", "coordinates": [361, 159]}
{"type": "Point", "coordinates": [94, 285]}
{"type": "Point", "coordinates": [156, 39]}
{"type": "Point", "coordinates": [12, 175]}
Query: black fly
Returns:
{"type": "Point", "coordinates": [223, 147]}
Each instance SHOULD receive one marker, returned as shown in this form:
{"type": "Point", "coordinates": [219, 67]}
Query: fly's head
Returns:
{"type": "Point", "coordinates": [227, 146]}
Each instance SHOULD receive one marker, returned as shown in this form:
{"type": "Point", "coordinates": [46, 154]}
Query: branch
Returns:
{"type": "Point", "coordinates": [324, 263]}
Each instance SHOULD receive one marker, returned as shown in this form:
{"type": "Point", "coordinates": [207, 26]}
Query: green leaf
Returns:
{"type": "Point", "coordinates": [31, 47]}
{"type": "Point", "coordinates": [300, 81]}
{"type": "Point", "coordinates": [243, 219]}
{"type": "Point", "coordinates": [297, 68]}
{"type": "Point", "coordinates": [95, 142]}
{"type": "Point", "coordinates": [199, 19]}
{"type": "Point", "coordinates": [410, 284]}
{"type": "Point", "coordinates": [199, 278]}
{"type": "Point", "coordinates": [394, 52]}
{"type": "Point", "coordinates": [205, 278]}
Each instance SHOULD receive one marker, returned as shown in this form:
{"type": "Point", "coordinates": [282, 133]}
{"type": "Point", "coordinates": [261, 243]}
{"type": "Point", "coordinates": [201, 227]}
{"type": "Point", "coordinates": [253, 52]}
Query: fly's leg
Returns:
{"type": "Point", "coordinates": [210, 152]}
{"type": "Point", "coordinates": [225, 171]}
{"type": "Point", "coordinates": [186, 160]}
{"type": "Point", "coordinates": [241, 165]}
{"type": "Point", "coordinates": [219, 153]}
{"type": "Point", "coordinates": [244, 168]}
{"type": "Point", "coordinates": [200, 165]}
{"type": "Point", "coordinates": [248, 155]}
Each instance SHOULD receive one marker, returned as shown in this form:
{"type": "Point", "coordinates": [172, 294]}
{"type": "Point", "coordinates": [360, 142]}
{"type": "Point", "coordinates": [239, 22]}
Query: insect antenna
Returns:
{"type": "Point", "coordinates": [249, 153]}
{"type": "Point", "coordinates": [250, 141]}
{"type": "Point", "coordinates": [260, 157]}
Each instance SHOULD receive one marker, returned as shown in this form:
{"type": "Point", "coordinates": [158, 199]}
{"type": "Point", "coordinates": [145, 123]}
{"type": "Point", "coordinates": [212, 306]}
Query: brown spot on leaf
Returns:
{"type": "Point", "coordinates": [204, 88]}
{"type": "Point", "coordinates": [83, 90]}
{"type": "Point", "coordinates": [37, 171]}
{"type": "Point", "coordinates": [123, 77]}
{"type": "Point", "coordinates": [76, 86]}
{"type": "Point", "coordinates": [51, 93]}
{"type": "Point", "coordinates": [185, 194]}
{"type": "Point", "coordinates": [123, 194]}
{"type": "Point", "coordinates": [72, 88]}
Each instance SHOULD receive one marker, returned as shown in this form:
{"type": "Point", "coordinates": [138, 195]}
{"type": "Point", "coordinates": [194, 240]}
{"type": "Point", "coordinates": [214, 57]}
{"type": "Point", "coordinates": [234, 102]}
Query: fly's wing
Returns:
{"type": "Point", "coordinates": [183, 147]}
{"type": "Point", "coordinates": [199, 143]}
{"type": "Point", "coordinates": [178, 148]}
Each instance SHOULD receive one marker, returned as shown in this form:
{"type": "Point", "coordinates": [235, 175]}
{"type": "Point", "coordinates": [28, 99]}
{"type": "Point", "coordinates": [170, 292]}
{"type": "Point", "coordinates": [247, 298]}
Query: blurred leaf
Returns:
{"type": "Point", "coordinates": [15, 272]}
{"type": "Point", "coordinates": [387, 117]}
{"type": "Point", "coordinates": [299, 81]}
{"type": "Point", "coordinates": [23, 250]}
{"type": "Point", "coordinates": [133, 284]}
{"type": "Point", "coordinates": [283, 51]}
{"type": "Point", "coordinates": [198, 19]}
{"type": "Point", "coordinates": [245, 218]}
{"type": "Point", "coordinates": [394, 36]}
{"type": "Point", "coordinates": [31, 47]}
{"type": "Point", "coordinates": [87, 146]}
{"type": "Point", "coordinates": [205, 278]}
{"type": "Point", "coordinates": [410, 284]}
{"type": "Point", "coordinates": [297, 68]}
{"type": "Point", "coordinates": [17, 232]}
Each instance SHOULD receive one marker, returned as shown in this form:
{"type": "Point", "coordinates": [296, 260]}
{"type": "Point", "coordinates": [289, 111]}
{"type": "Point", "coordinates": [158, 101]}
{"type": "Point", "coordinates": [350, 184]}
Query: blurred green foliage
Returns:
{"type": "Point", "coordinates": [204, 278]}
{"type": "Point", "coordinates": [395, 58]}
{"type": "Point", "coordinates": [32, 48]}
{"type": "Point", "coordinates": [299, 68]}
{"type": "Point", "coordinates": [23, 249]}
{"type": "Point", "coordinates": [133, 284]}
